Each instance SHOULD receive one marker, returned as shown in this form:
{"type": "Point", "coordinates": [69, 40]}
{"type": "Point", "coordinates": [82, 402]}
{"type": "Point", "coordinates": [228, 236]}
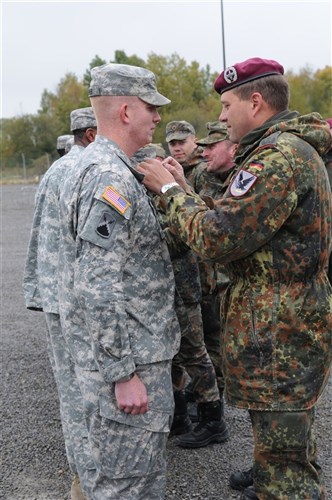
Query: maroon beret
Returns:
{"type": "Point", "coordinates": [246, 71]}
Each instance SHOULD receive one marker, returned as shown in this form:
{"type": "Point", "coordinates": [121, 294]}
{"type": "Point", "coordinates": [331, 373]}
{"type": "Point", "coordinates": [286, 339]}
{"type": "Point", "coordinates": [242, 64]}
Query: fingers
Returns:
{"type": "Point", "coordinates": [134, 409]}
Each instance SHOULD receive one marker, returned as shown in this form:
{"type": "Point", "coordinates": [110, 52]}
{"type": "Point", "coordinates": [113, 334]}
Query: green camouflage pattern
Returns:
{"type": "Point", "coordinates": [213, 277]}
{"type": "Point", "coordinates": [275, 238]}
{"type": "Point", "coordinates": [217, 132]}
{"type": "Point", "coordinates": [193, 357]}
{"type": "Point", "coordinates": [291, 474]}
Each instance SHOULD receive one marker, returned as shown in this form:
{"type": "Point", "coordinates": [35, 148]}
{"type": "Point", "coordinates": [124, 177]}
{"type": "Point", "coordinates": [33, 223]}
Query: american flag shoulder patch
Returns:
{"type": "Point", "coordinates": [115, 199]}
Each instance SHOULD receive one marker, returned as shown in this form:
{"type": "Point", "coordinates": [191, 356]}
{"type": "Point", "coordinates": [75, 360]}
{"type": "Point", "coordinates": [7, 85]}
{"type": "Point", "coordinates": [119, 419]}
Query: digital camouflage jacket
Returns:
{"type": "Point", "coordinates": [40, 282]}
{"type": "Point", "coordinates": [117, 282]}
{"type": "Point", "coordinates": [273, 231]}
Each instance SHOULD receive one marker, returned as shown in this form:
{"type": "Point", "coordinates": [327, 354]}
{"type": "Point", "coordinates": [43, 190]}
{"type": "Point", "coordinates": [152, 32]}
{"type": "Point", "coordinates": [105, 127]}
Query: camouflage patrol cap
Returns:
{"type": "Point", "coordinates": [143, 153]}
{"type": "Point", "coordinates": [217, 132]}
{"type": "Point", "coordinates": [82, 118]}
{"type": "Point", "coordinates": [69, 144]}
{"type": "Point", "coordinates": [178, 130]}
{"type": "Point", "coordinates": [160, 151]}
{"type": "Point", "coordinates": [246, 71]}
{"type": "Point", "coordinates": [62, 140]}
{"type": "Point", "coordinates": [124, 80]}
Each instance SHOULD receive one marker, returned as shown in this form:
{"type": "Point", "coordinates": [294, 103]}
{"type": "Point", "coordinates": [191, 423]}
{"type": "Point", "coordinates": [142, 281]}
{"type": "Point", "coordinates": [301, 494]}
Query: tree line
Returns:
{"type": "Point", "coordinates": [31, 138]}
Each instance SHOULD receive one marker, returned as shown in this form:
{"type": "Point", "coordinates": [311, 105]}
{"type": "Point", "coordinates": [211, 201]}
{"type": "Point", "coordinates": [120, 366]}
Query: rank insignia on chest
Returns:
{"type": "Point", "coordinates": [115, 199]}
{"type": "Point", "coordinates": [106, 225]}
{"type": "Point", "coordinates": [242, 183]}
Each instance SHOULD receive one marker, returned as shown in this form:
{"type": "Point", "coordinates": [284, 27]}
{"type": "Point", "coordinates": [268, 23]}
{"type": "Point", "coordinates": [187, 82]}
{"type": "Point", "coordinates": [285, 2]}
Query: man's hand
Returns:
{"type": "Point", "coordinates": [155, 174]}
{"type": "Point", "coordinates": [131, 396]}
{"type": "Point", "coordinates": [176, 170]}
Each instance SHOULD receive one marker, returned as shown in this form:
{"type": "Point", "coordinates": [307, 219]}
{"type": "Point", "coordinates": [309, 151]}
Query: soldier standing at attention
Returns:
{"type": "Point", "coordinates": [273, 231]}
{"type": "Point", "coordinates": [117, 291]}
{"type": "Point", "coordinates": [212, 181]}
{"type": "Point", "coordinates": [40, 286]}
{"type": "Point", "coordinates": [61, 144]}
{"type": "Point", "coordinates": [192, 356]}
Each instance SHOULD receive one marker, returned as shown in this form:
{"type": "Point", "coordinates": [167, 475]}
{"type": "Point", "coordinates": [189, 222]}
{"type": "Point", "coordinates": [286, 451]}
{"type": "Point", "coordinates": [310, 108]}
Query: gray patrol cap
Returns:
{"type": "Point", "coordinates": [143, 153]}
{"type": "Point", "coordinates": [82, 118]}
{"type": "Point", "coordinates": [217, 132]}
{"type": "Point", "coordinates": [62, 140]}
{"type": "Point", "coordinates": [124, 80]}
{"type": "Point", "coordinates": [178, 130]}
{"type": "Point", "coordinates": [69, 144]}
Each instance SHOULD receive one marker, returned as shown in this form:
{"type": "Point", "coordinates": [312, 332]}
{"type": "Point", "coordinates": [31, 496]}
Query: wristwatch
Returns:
{"type": "Point", "coordinates": [168, 186]}
{"type": "Point", "coordinates": [126, 378]}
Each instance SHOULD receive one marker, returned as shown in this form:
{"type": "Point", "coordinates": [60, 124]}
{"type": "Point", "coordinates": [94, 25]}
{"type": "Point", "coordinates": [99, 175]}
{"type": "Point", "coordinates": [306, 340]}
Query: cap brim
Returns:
{"type": "Point", "coordinates": [210, 140]}
{"type": "Point", "coordinates": [177, 136]}
{"type": "Point", "coordinates": [155, 99]}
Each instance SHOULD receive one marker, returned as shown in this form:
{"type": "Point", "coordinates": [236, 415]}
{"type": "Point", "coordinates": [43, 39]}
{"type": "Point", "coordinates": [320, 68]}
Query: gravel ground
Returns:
{"type": "Point", "coordinates": [32, 449]}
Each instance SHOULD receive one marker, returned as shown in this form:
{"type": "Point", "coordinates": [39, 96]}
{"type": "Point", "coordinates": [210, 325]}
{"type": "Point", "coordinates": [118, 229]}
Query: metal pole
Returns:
{"type": "Point", "coordinates": [223, 34]}
{"type": "Point", "coordinates": [24, 167]}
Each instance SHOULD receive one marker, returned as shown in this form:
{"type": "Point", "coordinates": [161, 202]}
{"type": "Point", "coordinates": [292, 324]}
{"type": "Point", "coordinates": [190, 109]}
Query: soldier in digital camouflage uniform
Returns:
{"type": "Point", "coordinates": [69, 144]}
{"type": "Point", "coordinates": [40, 290]}
{"type": "Point", "coordinates": [61, 144]}
{"type": "Point", "coordinates": [117, 291]}
{"type": "Point", "coordinates": [273, 231]}
{"type": "Point", "coordinates": [212, 181]}
{"type": "Point", "coordinates": [192, 356]}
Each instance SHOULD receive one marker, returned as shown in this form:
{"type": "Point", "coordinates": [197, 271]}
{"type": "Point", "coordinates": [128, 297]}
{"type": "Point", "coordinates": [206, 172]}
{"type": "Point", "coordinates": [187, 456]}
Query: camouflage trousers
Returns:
{"type": "Point", "coordinates": [212, 325]}
{"type": "Point", "coordinates": [193, 357]}
{"type": "Point", "coordinates": [129, 450]}
{"type": "Point", "coordinates": [73, 422]}
{"type": "Point", "coordinates": [285, 466]}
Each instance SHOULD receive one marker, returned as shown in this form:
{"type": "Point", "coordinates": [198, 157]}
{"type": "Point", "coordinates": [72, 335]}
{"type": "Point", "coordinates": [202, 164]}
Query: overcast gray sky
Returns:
{"type": "Point", "coordinates": [42, 41]}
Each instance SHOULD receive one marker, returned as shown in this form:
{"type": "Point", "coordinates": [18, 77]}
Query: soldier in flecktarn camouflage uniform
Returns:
{"type": "Point", "coordinates": [191, 281]}
{"type": "Point", "coordinates": [328, 164]}
{"type": "Point", "coordinates": [117, 291]}
{"type": "Point", "coordinates": [40, 285]}
{"type": "Point", "coordinates": [272, 230]}
{"type": "Point", "coordinates": [212, 181]}
{"type": "Point", "coordinates": [192, 356]}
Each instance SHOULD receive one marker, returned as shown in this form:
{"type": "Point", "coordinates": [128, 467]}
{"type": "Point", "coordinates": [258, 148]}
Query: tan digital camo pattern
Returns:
{"type": "Point", "coordinates": [275, 237]}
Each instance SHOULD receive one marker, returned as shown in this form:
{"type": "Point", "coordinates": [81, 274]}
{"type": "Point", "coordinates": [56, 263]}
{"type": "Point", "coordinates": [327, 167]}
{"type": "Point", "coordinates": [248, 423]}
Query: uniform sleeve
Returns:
{"type": "Point", "coordinates": [259, 199]}
{"type": "Point", "coordinates": [31, 289]}
{"type": "Point", "coordinates": [104, 234]}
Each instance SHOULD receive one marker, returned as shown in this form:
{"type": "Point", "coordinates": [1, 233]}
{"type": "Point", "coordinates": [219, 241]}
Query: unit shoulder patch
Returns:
{"type": "Point", "coordinates": [242, 183]}
{"type": "Point", "coordinates": [105, 225]}
{"type": "Point", "coordinates": [115, 199]}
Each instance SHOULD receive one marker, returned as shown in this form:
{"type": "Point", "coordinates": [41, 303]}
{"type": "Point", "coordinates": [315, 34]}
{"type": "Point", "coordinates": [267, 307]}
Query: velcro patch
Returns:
{"type": "Point", "coordinates": [105, 225]}
{"type": "Point", "coordinates": [115, 199]}
{"type": "Point", "coordinates": [242, 183]}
